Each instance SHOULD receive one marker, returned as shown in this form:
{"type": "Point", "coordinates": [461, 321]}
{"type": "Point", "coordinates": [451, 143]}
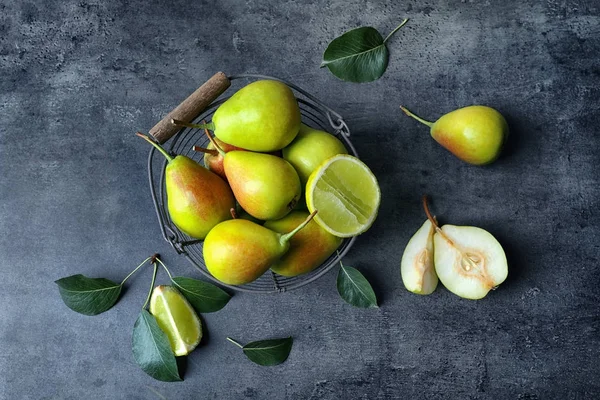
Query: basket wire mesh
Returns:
{"type": "Point", "coordinates": [314, 114]}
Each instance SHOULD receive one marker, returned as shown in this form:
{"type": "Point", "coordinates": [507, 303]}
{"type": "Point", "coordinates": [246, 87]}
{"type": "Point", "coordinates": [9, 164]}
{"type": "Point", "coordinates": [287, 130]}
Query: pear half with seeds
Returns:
{"type": "Point", "coordinates": [469, 261]}
{"type": "Point", "coordinates": [416, 267]}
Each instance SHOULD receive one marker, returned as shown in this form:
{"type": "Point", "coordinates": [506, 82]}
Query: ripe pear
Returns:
{"type": "Point", "coordinates": [267, 187]}
{"type": "Point", "coordinates": [475, 134]}
{"type": "Point", "coordinates": [468, 260]}
{"type": "Point", "coordinates": [309, 149]}
{"type": "Point", "coordinates": [416, 267]}
{"type": "Point", "coordinates": [308, 248]}
{"type": "Point", "coordinates": [197, 199]}
{"type": "Point", "coordinates": [262, 116]}
{"type": "Point", "coordinates": [238, 251]}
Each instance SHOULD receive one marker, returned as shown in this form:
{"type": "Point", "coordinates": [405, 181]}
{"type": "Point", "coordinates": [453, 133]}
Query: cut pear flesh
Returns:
{"type": "Point", "coordinates": [469, 260]}
{"type": "Point", "coordinates": [416, 267]}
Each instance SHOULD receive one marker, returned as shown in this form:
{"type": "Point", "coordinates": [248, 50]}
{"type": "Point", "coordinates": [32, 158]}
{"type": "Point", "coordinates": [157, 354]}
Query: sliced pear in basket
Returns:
{"type": "Point", "coordinates": [469, 261]}
{"type": "Point", "coordinates": [416, 267]}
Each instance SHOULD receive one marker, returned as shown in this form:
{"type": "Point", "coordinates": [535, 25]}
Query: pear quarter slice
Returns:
{"type": "Point", "coordinates": [468, 260]}
{"type": "Point", "coordinates": [416, 267]}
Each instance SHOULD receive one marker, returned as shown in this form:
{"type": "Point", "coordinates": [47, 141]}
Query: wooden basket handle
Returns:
{"type": "Point", "coordinates": [191, 107]}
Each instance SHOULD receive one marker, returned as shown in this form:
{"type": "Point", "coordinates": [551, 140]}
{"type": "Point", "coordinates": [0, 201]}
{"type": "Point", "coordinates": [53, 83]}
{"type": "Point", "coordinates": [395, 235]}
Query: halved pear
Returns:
{"type": "Point", "coordinates": [416, 267]}
{"type": "Point", "coordinates": [468, 260]}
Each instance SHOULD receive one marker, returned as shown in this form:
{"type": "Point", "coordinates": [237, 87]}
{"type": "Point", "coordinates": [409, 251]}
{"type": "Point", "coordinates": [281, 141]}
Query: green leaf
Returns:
{"type": "Point", "coordinates": [267, 352]}
{"type": "Point", "coordinates": [88, 296]}
{"type": "Point", "coordinates": [359, 55]}
{"type": "Point", "coordinates": [354, 288]}
{"type": "Point", "coordinates": [152, 350]}
{"type": "Point", "coordinates": [203, 296]}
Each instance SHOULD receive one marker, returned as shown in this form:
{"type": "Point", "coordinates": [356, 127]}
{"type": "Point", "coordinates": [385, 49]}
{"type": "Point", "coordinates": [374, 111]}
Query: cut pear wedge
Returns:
{"type": "Point", "coordinates": [469, 260]}
{"type": "Point", "coordinates": [176, 318]}
{"type": "Point", "coordinates": [417, 268]}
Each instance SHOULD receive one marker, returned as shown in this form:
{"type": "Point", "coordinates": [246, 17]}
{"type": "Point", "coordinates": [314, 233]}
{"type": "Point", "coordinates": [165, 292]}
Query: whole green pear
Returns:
{"type": "Point", "coordinates": [308, 248]}
{"type": "Point", "coordinates": [262, 116]}
{"type": "Point", "coordinates": [475, 134]}
{"type": "Point", "coordinates": [266, 186]}
{"type": "Point", "coordinates": [238, 251]}
{"type": "Point", "coordinates": [309, 149]}
{"type": "Point", "coordinates": [197, 199]}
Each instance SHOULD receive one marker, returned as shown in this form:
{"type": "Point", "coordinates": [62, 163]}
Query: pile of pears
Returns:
{"type": "Point", "coordinates": [247, 202]}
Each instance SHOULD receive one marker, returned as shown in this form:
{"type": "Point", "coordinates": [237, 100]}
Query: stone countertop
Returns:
{"type": "Point", "coordinates": [78, 78]}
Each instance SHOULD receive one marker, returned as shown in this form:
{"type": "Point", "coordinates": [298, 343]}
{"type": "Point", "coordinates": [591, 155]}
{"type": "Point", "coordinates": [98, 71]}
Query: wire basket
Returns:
{"type": "Point", "coordinates": [314, 113]}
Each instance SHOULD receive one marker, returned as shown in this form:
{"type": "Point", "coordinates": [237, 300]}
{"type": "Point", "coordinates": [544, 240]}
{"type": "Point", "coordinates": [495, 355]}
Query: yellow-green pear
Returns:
{"type": "Point", "coordinates": [266, 186]}
{"type": "Point", "coordinates": [308, 248]}
{"type": "Point", "coordinates": [262, 116]}
{"type": "Point", "coordinates": [310, 148]}
{"type": "Point", "coordinates": [238, 251]}
{"type": "Point", "coordinates": [475, 134]}
{"type": "Point", "coordinates": [197, 199]}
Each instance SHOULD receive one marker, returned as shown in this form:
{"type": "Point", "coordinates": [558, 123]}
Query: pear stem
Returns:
{"type": "Point", "coordinates": [434, 221]}
{"type": "Point", "coordinates": [421, 120]}
{"type": "Point", "coordinates": [158, 146]}
{"type": "Point", "coordinates": [214, 143]}
{"type": "Point", "coordinates": [212, 152]}
{"type": "Point", "coordinates": [429, 216]}
{"type": "Point", "coordinates": [395, 30]}
{"type": "Point", "coordinates": [285, 237]}
{"type": "Point", "coordinates": [204, 125]}
{"type": "Point", "coordinates": [234, 214]}
{"type": "Point", "coordinates": [236, 343]}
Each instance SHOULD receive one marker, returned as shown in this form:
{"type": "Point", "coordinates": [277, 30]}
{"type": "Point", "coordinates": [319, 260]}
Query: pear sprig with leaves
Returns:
{"type": "Point", "coordinates": [152, 349]}
{"type": "Point", "coordinates": [151, 345]}
{"type": "Point", "coordinates": [92, 296]}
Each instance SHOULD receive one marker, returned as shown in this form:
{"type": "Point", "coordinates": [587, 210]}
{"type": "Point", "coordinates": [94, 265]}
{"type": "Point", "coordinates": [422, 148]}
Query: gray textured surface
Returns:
{"type": "Point", "coordinates": [78, 78]}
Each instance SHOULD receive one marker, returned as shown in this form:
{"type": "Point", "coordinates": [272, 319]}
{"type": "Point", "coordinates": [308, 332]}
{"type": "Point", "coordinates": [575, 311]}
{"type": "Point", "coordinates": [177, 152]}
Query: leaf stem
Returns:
{"type": "Point", "coordinates": [395, 30]}
{"type": "Point", "coordinates": [135, 270]}
{"type": "Point", "coordinates": [341, 263]}
{"type": "Point", "coordinates": [151, 285]}
{"type": "Point", "coordinates": [165, 267]}
{"type": "Point", "coordinates": [236, 343]}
